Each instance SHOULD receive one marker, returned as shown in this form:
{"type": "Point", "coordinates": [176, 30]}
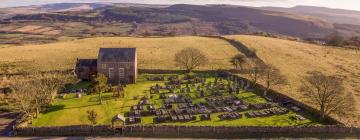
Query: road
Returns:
{"type": "Point", "coordinates": [7, 120]}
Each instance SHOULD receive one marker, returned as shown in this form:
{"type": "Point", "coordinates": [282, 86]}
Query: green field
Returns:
{"type": "Point", "coordinates": [72, 111]}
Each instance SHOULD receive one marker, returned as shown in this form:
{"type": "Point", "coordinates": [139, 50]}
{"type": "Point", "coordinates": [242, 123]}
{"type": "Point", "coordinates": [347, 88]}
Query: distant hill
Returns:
{"type": "Point", "coordinates": [234, 20]}
{"type": "Point", "coordinates": [73, 6]}
{"type": "Point", "coordinates": [181, 19]}
{"type": "Point", "coordinates": [339, 16]}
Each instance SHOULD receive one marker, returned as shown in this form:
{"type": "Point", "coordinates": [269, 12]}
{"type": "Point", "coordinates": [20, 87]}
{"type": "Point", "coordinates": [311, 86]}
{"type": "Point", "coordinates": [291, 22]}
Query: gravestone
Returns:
{"type": "Point", "coordinates": [203, 81]}
{"type": "Point", "coordinates": [241, 84]}
{"type": "Point", "coordinates": [198, 88]}
{"type": "Point", "coordinates": [182, 90]}
{"type": "Point", "coordinates": [237, 90]}
{"type": "Point", "coordinates": [202, 93]}
{"type": "Point", "coordinates": [157, 90]}
{"type": "Point", "coordinates": [230, 90]}
{"type": "Point", "coordinates": [207, 88]}
{"type": "Point", "coordinates": [78, 95]}
{"type": "Point", "coordinates": [188, 90]}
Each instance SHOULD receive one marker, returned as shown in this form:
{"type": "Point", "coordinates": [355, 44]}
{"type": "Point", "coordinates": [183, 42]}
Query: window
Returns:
{"type": "Point", "coordinates": [121, 73]}
{"type": "Point", "coordinates": [127, 66]}
{"type": "Point", "coordinates": [111, 74]}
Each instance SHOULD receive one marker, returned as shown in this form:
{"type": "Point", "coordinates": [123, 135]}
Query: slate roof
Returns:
{"type": "Point", "coordinates": [86, 63]}
{"type": "Point", "coordinates": [116, 54]}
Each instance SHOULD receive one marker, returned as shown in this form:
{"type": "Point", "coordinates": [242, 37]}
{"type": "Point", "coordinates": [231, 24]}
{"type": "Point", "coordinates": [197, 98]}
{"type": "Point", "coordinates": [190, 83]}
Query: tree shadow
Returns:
{"type": "Point", "coordinates": [250, 53]}
{"type": "Point", "coordinates": [54, 108]}
{"type": "Point", "coordinates": [103, 97]}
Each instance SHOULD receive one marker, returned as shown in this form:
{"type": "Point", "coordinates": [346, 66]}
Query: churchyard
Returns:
{"type": "Point", "coordinates": [200, 99]}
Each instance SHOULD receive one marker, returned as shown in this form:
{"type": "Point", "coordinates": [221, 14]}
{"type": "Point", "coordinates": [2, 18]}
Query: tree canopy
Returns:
{"type": "Point", "coordinates": [190, 59]}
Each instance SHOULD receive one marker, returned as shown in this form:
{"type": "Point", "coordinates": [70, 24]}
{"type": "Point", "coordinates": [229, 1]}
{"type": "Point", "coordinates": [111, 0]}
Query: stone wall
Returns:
{"type": "Point", "coordinates": [194, 131]}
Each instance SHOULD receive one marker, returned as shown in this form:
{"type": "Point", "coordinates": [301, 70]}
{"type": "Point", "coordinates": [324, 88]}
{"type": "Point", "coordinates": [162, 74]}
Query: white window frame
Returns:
{"type": "Point", "coordinates": [111, 73]}
{"type": "Point", "coordinates": [121, 73]}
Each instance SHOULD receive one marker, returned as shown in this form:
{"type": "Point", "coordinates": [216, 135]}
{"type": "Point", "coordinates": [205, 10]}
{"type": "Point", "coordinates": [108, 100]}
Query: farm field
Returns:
{"type": "Point", "coordinates": [61, 109]}
{"type": "Point", "coordinates": [296, 59]}
{"type": "Point", "coordinates": [153, 53]}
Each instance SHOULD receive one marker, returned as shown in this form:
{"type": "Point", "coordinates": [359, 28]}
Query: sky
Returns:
{"type": "Point", "coordinates": [341, 4]}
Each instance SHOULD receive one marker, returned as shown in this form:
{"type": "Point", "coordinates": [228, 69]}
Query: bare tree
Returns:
{"type": "Point", "coordinates": [190, 59]}
{"type": "Point", "coordinates": [47, 87]}
{"type": "Point", "coordinates": [92, 116]}
{"type": "Point", "coordinates": [238, 61]}
{"type": "Point", "coordinates": [100, 84]}
{"type": "Point", "coordinates": [23, 98]}
{"type": "Point", "coordinates": [254, 74]}
{"type": "Point", "coordinates": [327, 94]}
{"type": "Point", "coordinates": [272, 77]}
{"type": "Point", "coordinates": [30, 96]}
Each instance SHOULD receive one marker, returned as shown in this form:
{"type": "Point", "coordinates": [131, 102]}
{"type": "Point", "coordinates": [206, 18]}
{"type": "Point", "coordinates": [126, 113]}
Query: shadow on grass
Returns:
{"type": "Point", "coordinates": [54, 108]}
{"type": "Point", "coordinates": [103, 97]}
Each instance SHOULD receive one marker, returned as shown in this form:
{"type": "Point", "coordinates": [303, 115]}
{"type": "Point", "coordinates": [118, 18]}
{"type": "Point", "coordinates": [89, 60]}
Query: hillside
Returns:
{"type": "Point", "coordinates": [144, 20]}
{"type": "Point", "coordinates": [339, 16]}
{"type": "Point", "coordinates": [153, 53]}
{"type": "Point", "coordinates": [295, 59]}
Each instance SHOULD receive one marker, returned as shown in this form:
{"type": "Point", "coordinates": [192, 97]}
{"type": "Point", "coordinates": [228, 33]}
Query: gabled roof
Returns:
{"type": "Point", "coordinates": [116, 54]}
{"type": "Point", "coordinates": [118, 117]}
{"type": "Point", "coordinates": [86, 63]}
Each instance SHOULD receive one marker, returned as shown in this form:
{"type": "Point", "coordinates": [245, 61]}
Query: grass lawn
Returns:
{"type": "Point", "coordinates": [72, 111]}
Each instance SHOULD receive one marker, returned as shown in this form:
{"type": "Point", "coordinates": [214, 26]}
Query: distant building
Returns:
{"type": "Point", "coordinates": [119, 65]}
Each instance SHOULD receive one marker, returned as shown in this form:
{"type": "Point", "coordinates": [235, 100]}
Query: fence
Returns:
{"type": "Point", "coordinates": [194, 131]}
{"type": "Point", "coordinates": [79, 130]}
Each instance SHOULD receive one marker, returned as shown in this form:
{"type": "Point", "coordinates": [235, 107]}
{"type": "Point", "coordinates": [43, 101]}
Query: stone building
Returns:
{"type": "Point", "coordinates": [119, 65]}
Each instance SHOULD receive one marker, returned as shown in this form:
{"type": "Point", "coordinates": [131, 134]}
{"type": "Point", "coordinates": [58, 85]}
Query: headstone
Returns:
{"type": "Point", "coordinates": [247, 86]}
{"type": "Point", "coordinates": [242, 84]}
{"type": "Point", "coordinates": [207, 88]}
{"type": "Point", "coordinates": [198, 88]}
{"type": "Point", "coordinates": [203, 81]}
{"type": "Point", "coordinates": [202, 93]}
{"type": "Point", "coordinates": [151, 90]}
{"type": "Point", "coordinates": [188, 90]}
{"type": "Point", "coordinates": [157, 91]}
{"type": "Point", "coordinates": [78, 95]}
{"type": "Point", "coordinates": [182, 90]}
{"type": "Point", "coordinates": [230, 90]}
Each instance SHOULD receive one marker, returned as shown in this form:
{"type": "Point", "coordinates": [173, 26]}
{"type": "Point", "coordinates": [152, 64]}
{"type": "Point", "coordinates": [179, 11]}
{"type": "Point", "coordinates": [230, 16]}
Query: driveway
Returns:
{"type": "Point", "coordinates": [7, 120]}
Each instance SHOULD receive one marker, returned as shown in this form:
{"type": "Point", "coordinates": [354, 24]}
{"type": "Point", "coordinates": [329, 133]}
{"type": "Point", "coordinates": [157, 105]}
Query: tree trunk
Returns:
{"type": "Point", "coordinates": [267, 88]}
{"type": "Point", "coordinates": [188, 70]}
{"type": "Point", "coordinates": [37, 112]}
{"type": "Point", "coordinates": [322, 114]}
{"type": "Point", "coordinates": [266, 92]}
{"type": "Point", "coordinates": [36, 108]}
{"type": "Point", "coordinates": [100, 98]}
